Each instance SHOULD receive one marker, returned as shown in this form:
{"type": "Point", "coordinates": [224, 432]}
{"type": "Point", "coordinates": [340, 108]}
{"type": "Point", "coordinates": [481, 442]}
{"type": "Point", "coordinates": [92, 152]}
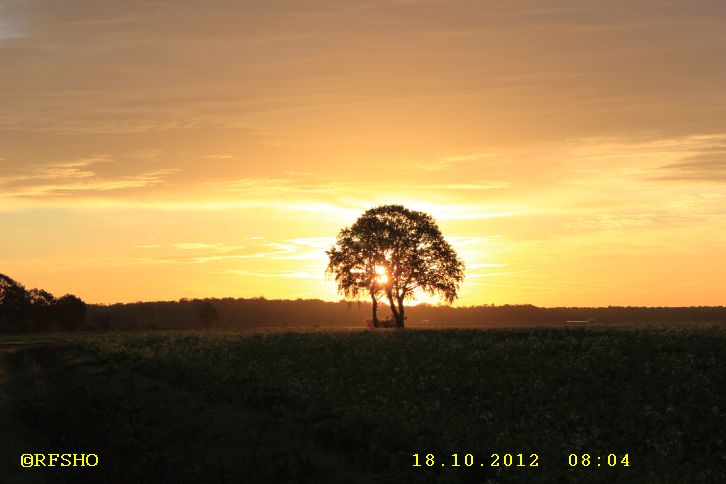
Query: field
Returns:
{"type": "Point", "coordinates": [356, 406]}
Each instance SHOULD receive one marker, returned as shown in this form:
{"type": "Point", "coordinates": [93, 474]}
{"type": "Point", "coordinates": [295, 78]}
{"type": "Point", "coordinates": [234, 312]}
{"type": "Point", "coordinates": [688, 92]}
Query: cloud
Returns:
{"type": "Point", "coordinates": [71, 178]}
{"type": "Point", "coordinates": [452, 161]}
{"type": "Point", "coordinates": [7, 29]}
{"type": "Point", "coordinates": [484, 265]}
{"type": "Point", "coordinates": [68, 169]}
{"type": "Point", "coordinates": [613, 162]}
{"type": "Point", "coordinates": [468, 186]}
{"type": "Point", "coordinates": [220, 156]}
{"type": "Point", "coordinates": [479, 275]}
{"type": "Point", "coordinates": [618, 221]}
{"type": "Point", "coordinates": [131, 67]}
{"type": "Point", "coordinates": [276, 186]}
{"type": "Point", "coordinates": [262, 273]}
{"type": "Point", "coordinates": [705, 163]}
{"type": "Point", "coordinates": [204, 253]}
{"type": "Point", "coordinates": [305, 185]}
{"type": "Point", "coordinates": [347, 199]}
{"type": "Point", "coordinates": [198, 246]}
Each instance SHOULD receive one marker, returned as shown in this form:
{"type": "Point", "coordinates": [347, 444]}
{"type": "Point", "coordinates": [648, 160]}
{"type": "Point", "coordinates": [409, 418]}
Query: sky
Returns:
{"type": "Point", "coordinates": [573, 152]}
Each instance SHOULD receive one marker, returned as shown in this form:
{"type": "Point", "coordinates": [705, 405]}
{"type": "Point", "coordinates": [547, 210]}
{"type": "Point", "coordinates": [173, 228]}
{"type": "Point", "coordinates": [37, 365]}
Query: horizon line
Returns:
{"type": "Point", "coordinates": [483, 305]}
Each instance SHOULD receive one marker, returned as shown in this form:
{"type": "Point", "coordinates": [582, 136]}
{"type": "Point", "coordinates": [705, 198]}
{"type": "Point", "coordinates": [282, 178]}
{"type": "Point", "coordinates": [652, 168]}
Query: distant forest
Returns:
{"type": "Point", "coordinates": [36, 310]}
{"type": "Point", "coordinates": [261, 312]}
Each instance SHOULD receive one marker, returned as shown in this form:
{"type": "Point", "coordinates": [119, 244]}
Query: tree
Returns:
{"type": "Point", "coordinates": [13, 305]}
{"type": "Point", "coordinates": [206, 314]}
{"type": "Point", "coordinates": [69, 312]}
{"type": "Point", "coordinates": [41, 308]}
{"type": "Point", "coordinates": [354, 261]}
{"type": "Point", "coordinates": [392, 251]}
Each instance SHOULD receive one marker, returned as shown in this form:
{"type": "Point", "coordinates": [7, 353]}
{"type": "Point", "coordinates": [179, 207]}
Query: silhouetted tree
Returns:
{"type": "Point", "coordinates": [393, 251]}
{"type": "Point", "coordinates": [206, 314]}
{"type": "Point", "coordinates": [41, 308]}
{"type": "Point", "coordinates": [13, 305]}
{"type": "Point", "coordinates": [354, 260]}
{"type": "Point", "coordinates": [69, 312]}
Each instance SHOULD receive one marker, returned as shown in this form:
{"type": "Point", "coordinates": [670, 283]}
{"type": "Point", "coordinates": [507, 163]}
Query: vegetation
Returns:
{"type": "Point", "coordinates": [355, 406]}
{"type": "Point", "coordinates": [206, 314]}
{"type": "Point", "coordinates": [270, 313]}
{"type": "Point", "coordinates": [393, 251]}
{"type": "Point", "coordinates": [37, 310]}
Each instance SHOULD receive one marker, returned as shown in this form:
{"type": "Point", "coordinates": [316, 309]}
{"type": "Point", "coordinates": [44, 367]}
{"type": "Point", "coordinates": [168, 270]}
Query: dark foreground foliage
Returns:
{"type": "Point", "coordinates": [355, 406]}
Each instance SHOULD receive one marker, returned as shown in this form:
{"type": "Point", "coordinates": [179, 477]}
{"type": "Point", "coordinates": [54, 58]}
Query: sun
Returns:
{"type": "Point", "coordinates": [382, 278]}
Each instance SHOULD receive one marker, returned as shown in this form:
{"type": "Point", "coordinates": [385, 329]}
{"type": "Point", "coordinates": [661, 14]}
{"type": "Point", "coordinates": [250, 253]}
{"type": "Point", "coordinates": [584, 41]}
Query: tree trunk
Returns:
{"type": "Point", "coordinates": [401, 318]}
{"type": "Point", "coordinates": [396, 316]}
{"type": "Point", "coordinates": [375, 310]}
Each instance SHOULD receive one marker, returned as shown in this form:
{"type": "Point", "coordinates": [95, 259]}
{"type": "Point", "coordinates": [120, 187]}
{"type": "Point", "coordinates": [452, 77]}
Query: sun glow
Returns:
{"type": "Point", "coordinates": [382, 278]}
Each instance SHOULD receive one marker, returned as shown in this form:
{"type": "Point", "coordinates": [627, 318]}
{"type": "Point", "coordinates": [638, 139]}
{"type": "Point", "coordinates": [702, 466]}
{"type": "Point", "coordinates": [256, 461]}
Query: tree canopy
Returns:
{"type": "Point", "coordinates": [13, 303]}
{"type": "Point", "coordinates": [36, 309]}
{"type": "Point", "coordinates": [391, 251]}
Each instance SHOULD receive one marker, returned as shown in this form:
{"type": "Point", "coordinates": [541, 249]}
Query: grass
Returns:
{"type": "Point", "coordinates": [354, 406]}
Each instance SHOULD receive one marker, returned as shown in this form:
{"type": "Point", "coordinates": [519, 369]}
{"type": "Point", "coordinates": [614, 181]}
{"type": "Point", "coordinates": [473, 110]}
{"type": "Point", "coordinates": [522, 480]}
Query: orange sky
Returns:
{"type": "Point", "coordinates": [573, 152]}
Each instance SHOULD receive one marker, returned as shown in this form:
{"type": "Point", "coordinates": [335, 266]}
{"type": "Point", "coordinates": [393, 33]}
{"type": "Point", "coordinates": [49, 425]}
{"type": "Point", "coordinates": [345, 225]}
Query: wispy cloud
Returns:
{"type": "Point", "coordinates": [346, 199]}
{"type": "Point", "coordinates": [74, 177]}
{"type": "Point", "coordinates": [203, 253]}
{"type": "Point", "coordinates": [616, 161]}
{"type": "Point", "coordinates": [220, 156]}
{"type": "Point", "coordinates": [479, 275]}
{"type": "Point", "coordinates": [704, 160]}
{"type": "Point", "coordinates": [304, 185]}
{"type": "Point", "coordinates": [493, 185]}
{"type": "Point", "coordinates": [448, 162]}
{"type": "Point", "coordinates": [275, 274]}
{"type": "Point", "coordinates": [198, 246]}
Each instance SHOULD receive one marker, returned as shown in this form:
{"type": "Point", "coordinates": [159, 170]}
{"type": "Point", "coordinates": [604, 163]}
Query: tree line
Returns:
{"type": "Point", "coordinates": [308, 313]}
{"type": "Point", "coordinates": [37, 310]}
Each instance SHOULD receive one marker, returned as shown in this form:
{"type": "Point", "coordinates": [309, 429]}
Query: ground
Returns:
{"type": "Point", "coordinates": [356, 406]}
